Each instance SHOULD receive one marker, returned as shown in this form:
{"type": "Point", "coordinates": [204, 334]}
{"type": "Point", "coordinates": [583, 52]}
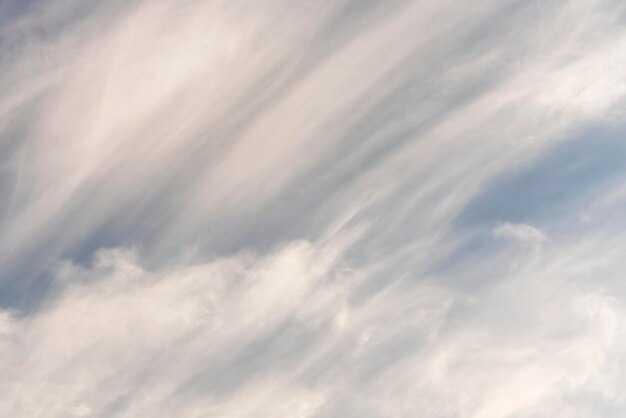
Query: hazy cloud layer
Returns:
{"type": "Point", "coordinates": [350, 208]}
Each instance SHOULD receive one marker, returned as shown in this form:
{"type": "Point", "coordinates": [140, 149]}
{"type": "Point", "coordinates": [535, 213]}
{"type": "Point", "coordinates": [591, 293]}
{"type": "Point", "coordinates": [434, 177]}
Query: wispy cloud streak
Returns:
{"type": "Point", "coordinates": [312, 209]}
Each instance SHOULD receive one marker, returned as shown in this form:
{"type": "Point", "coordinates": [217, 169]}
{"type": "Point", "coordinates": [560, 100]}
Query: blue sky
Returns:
{"type": "Point", "coordinates": [349, 208]}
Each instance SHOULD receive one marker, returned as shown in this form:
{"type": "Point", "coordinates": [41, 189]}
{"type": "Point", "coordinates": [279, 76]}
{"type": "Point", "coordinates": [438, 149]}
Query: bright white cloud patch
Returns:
{"type": "Point", "coordinates": [312, 209]}
{"type": "Point", "coordinates": [520, 232]}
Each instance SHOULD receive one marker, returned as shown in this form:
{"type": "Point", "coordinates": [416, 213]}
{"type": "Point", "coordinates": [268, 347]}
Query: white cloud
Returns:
{"type": "Point", "coordinates": [117, 325]}
{"type": "Point", "coordinates": [283, 333]}
{"type": "Point", "coordinates": [520, 232]}
{"type": "Point", "coordinates": [290, 176]}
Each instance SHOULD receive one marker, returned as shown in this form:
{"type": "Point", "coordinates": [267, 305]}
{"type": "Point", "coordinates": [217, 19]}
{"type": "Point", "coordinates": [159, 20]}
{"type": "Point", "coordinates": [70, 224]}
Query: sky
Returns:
{"type": "Point", "coordinates": [312, 208]}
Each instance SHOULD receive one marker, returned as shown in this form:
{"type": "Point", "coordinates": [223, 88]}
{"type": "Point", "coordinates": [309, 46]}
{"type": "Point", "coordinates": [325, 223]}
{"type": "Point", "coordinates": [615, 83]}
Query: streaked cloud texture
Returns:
{"type": "Point", "coordinates": [314, 208]}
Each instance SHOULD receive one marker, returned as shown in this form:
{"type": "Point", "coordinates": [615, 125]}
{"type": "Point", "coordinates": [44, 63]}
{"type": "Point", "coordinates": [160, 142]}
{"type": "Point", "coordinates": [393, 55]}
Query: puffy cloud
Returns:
{"type": "Point", "coordinates": [284, 333]}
